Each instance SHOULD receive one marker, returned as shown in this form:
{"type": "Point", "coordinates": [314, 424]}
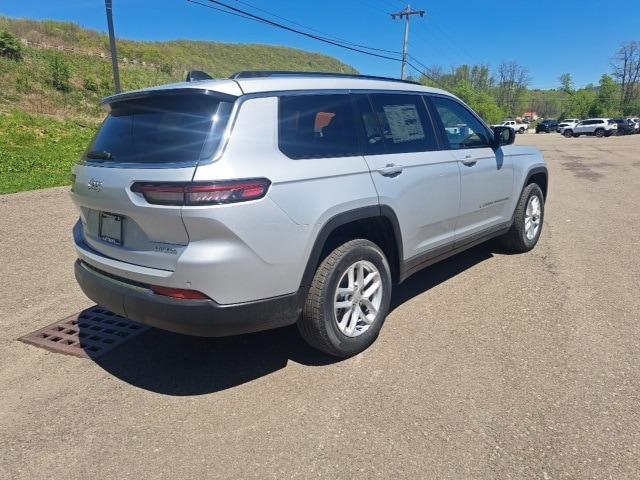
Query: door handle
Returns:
{"type": "Point", "coordinates": [469, 160]}
{"type": "Point", "coordinates": [391, 170]}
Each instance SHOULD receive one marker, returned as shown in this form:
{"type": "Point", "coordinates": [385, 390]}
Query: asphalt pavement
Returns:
{"type": "Point", "coordinates": [490, 366]}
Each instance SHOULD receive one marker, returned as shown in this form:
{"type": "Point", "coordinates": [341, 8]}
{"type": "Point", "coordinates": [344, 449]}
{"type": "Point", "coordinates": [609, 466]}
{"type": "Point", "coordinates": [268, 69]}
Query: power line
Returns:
{"type": "Point", "coordinates": [245, 14]}
{"type": "Point", "coordinates": [249, 16]}
{"type": "Point", "coordinates": [326, 35]}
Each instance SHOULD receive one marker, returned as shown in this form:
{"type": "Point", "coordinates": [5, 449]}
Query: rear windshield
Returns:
{"type": "Point", "coordinates": [160, 129]}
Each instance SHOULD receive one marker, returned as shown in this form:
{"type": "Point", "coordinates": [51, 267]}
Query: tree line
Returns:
{"type": "Point", "coordinates": [506, 93]}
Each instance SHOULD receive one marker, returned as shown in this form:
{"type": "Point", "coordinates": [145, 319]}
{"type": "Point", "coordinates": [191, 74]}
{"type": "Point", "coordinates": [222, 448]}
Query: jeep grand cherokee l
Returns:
{"type": "Point", "coordinates": [219, 207]}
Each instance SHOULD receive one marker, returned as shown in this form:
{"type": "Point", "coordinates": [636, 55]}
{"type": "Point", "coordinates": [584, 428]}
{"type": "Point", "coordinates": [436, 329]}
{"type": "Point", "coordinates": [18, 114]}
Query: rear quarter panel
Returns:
{"type": "Point", "coordinates": [307, 194]}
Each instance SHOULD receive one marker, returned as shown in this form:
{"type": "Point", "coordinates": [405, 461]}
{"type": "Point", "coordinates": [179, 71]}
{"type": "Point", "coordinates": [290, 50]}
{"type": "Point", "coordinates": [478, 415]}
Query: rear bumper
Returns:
{"type": "Point", "coordinates": [191, 317]}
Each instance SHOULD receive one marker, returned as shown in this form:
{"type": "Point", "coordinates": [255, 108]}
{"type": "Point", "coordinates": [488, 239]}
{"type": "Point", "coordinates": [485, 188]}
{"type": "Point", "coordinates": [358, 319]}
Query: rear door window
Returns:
{"type": "Point", "coordinates": [159, 129]}
{"type": "Point", "coordinates": [317, 126]}
{"type": "Point", "coordinates": [403, 124]}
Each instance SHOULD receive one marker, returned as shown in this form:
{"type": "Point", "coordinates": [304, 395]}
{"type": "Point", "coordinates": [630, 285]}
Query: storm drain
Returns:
{"type": "Point", "coordinates": [90, 333]}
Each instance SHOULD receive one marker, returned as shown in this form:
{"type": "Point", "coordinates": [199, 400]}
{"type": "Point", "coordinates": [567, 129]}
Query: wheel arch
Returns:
{"type": "Point", "coordinates": [377, 223]}
{"type": "Point", "coordinates": [540, 176]}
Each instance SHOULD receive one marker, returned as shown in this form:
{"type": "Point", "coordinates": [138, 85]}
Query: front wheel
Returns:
{"type": "Point", "coordinates": [521, 131]}
{"type": "Point", "coordinates": [568, 133]}
{"type": "Point", "coordinates": [527, 220]}
{"type": "Point", "coordinates": [348, 299]}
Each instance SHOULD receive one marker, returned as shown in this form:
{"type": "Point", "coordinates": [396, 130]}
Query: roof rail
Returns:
{"type": "Point", "coordinates": [278, 73]}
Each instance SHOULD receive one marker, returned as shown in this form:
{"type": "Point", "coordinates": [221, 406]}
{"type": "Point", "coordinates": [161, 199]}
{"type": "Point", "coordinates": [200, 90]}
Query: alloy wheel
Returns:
{"type": "Point", "coordinates": [358, 298]}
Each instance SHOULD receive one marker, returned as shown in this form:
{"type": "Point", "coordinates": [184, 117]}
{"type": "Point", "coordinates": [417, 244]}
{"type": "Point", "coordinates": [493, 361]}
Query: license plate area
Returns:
{"type": "Point", "coordinates": [110, 228]}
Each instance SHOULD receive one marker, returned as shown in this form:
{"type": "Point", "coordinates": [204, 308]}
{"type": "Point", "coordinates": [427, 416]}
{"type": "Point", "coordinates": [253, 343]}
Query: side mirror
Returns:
{"type": "Point", "coordinates": [503, 136]}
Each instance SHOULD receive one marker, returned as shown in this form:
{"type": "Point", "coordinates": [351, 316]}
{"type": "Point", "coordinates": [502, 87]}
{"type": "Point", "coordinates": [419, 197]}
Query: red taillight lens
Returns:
{"type": "Point", "coordinates": [210, 193]}
{"type": "Point", "coordinates": [161, 194]}
{"type": "Point", "coordinates": [179, 293]}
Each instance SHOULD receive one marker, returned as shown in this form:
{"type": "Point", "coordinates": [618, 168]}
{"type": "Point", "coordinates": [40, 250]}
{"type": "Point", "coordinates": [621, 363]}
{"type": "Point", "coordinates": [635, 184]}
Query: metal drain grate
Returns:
{"type": "Point", "coordinates": [90, 333]}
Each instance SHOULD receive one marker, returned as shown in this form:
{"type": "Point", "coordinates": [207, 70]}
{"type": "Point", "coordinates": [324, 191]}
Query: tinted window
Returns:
{"type": "Point", "coordinates": [401, 122]}
{"type": "Point", "coordinates": [373, 137]}
{"type": "Point", "coordinates": [461, 127]}
{"type": "Point", "coordinates": [316, 126]}
{"type": "Point", "coordinates": [159, 129]}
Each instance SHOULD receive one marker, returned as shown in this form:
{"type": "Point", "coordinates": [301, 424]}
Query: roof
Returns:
{"type": "Point", "coordinates": [244, 86]}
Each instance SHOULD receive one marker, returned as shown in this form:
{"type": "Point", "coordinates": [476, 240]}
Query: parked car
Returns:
{"type": "Point", "coordinates": [624, 126]}
{"type": "Point", "coordinates": [636, 121]}
{"type": "Point", "coordinates": [599, 127]}
{"type": "Point", "coordinates": [290, 198]}
{"type": "Point", "coordinates": [516, 126]}
{"type": "Point", "coordinates": [567, 123]}
{"type": "Point", "coordinates": [547, 126]}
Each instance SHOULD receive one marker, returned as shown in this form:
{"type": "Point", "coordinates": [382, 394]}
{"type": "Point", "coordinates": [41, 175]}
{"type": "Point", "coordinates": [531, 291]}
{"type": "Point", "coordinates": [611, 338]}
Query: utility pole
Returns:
{"type": "Point", "coordinates": [407, 13]}
{"type": "Point", "coordinates": [112, 43]}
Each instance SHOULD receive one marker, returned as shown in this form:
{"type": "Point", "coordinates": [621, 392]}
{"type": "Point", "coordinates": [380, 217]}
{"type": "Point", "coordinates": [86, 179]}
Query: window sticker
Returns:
{"type": "Point", "coordinates": [404, 123]}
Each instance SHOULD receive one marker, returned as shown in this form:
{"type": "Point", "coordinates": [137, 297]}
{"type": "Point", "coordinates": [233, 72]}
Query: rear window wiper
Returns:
{"type": "Point", "coordinates": [100, 155]}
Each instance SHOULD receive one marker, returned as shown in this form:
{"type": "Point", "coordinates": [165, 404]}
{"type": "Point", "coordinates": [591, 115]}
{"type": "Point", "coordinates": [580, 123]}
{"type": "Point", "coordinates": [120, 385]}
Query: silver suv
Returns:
{"type": "Point", "coordinates": [220, 207]}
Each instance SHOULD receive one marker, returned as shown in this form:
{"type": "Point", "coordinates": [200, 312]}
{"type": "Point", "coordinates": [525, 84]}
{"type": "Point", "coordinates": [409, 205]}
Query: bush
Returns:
{"type": "Point", "coordinates": [10, 46]}
{"type": "Point", "coordinates": [59, 74]}
{"type": "Point", "coordinates": [91, 84]}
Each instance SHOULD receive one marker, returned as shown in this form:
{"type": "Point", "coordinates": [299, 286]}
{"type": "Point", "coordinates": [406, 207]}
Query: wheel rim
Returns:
{"type": "Point", "coordinates": [358, 298]}
{"type": "Point", "coordinates": [532, 217]}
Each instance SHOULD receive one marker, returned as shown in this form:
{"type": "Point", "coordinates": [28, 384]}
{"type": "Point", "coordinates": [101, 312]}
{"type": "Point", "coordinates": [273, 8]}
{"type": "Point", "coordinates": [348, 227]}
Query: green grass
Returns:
{"type": "Point", "coordinates": [37, 151]}
{"type": "Point", "coordinates": [43, 131]}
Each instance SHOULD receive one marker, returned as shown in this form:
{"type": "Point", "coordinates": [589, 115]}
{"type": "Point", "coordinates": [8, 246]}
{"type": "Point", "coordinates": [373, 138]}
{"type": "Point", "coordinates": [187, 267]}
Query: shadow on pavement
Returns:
{"type": "Point", "coordinates": [181, 365]}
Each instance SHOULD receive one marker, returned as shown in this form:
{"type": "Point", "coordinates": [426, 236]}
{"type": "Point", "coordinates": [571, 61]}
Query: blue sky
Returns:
{"type": "Point", "coordinates": [549, 38]}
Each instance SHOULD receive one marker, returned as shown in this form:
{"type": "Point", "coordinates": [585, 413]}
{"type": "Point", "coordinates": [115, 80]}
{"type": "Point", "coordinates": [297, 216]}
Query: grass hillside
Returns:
{"type": "Point", "coordinates": [49, 99]}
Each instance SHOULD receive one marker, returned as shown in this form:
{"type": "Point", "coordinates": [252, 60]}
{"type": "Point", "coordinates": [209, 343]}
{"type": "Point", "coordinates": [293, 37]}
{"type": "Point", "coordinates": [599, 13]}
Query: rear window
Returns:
{"type": "Point", "coordinates": [160, 129]}
{"type": "Point", "coordinates": [317, 126]}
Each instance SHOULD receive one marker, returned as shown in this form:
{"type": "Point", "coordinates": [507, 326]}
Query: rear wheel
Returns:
{"type": "Point", "coordinates": [527, 222]}
{"type": "Point", "coordinates": [521, 130]}
{"type": "Point", "coordinates": [348, 299]}
{"type": "Point", "coordinates": [600, 133]}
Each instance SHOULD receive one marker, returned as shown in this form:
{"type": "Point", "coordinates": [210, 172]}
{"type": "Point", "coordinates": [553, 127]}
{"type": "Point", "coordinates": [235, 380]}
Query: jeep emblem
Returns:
{"type": "Point", "coordinates": [95, 185]}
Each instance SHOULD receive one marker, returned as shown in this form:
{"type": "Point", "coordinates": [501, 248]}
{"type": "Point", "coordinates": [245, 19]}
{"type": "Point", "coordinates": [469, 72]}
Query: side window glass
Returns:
{"type": "Point", "coordinates": [373, 137]}
{"type": "Point", "coordinates": [403, 123]}
{"type": "Point", "coordinates": [317, 126]}
{"type": "Point", "coordinates": [462, 129]}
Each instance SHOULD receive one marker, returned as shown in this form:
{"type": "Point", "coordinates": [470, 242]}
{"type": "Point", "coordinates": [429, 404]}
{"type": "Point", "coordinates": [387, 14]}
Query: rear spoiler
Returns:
{"type": "Point", "coordinates": [163, 91]}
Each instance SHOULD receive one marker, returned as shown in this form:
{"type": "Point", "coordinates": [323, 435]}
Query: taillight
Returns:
{"type": "Point", "coordinates": [201, 193]}
{"type": "Point", "coordinates": [178, 293]}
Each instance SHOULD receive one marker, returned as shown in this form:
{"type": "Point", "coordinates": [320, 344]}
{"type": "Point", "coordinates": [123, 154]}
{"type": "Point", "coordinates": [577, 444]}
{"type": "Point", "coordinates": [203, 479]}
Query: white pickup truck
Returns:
{"type": "Point", "coordinates": [517, 127]}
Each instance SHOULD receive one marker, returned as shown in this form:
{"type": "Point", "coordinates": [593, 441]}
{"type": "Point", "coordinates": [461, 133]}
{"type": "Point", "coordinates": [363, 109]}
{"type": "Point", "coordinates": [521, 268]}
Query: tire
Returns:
{"type": "Point", "coordinates": [319, 324]}
{"type": "Point", "coordinates": [517, 239]}
{"type": "Point", "coordinates": [599, 133]}
{"type": "Point", "coordinates": [568, 133]}
{"type": "Point", "coordinates": [576, 135]}
{"type": "Point", "coordinates": [521, 131]}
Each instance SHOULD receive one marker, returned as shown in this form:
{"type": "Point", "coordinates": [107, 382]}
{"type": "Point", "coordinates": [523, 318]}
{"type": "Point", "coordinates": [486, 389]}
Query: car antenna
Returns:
{"type": "Point", "coordinates": [195, 75]}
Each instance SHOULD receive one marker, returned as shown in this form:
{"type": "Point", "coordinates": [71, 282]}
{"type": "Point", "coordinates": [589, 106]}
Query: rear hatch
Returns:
{"type": "Point", "coordinates": [158, 137]}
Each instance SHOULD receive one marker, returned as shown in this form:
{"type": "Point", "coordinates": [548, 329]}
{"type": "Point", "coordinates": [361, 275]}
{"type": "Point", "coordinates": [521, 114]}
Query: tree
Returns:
{"type": "Point", "coordinates": [566, 83]}
{"type": "Point", "coordinates": [10, 46]}
{"type": "Point", "coordinates": [607, 102]}
{"type": "Point", "coordinates": [626, 69]}
{"type": "Point", "coordinates": [513, 80]}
